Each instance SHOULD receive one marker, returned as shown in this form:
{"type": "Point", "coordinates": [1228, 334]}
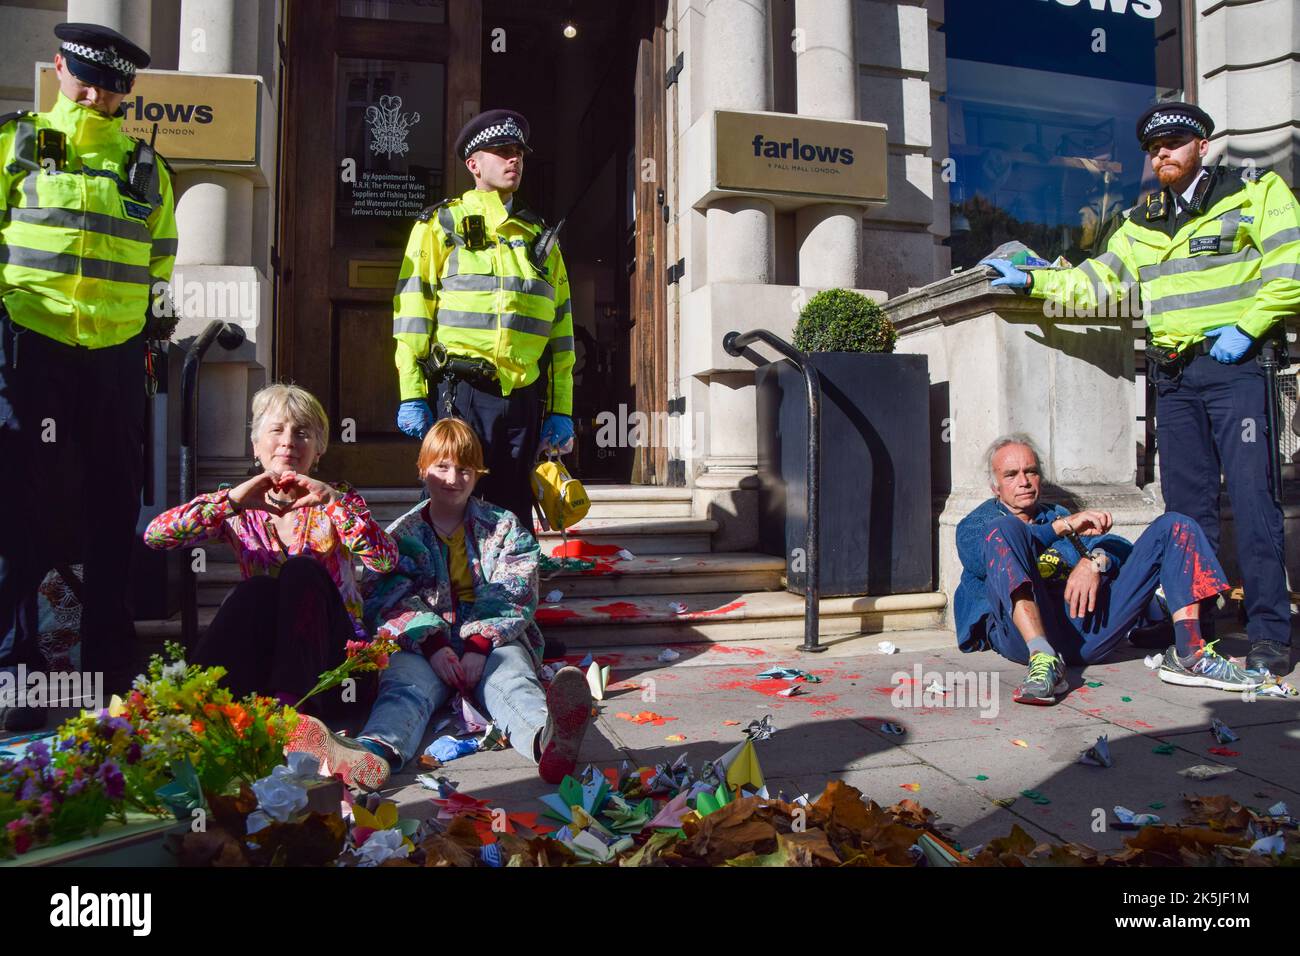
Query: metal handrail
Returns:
{"type": "Point", "coordinates": [230, 336]}
{"type": "Point", "coordinates": [734, 343]}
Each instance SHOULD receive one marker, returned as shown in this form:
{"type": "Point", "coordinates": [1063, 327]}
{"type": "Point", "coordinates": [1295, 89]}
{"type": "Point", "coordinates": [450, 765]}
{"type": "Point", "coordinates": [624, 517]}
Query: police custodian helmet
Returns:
{"type": "Point", "coordinates": [99, 56]}
{"type": "Point", "coordinates": [493, 128]}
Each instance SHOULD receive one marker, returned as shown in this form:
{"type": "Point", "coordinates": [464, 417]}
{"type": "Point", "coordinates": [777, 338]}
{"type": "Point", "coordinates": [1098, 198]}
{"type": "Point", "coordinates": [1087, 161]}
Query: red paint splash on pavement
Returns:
{"type": "Point", "coordinates": [1142, 723]}
{"type": "Point", "coordinates": [852, 676]}
{"type": "Point", "coordinates": [773, 688]}
{"type": "Point", "coordinates": [725, 649]}
{"type": "Point", "coordinates": [620, 609]}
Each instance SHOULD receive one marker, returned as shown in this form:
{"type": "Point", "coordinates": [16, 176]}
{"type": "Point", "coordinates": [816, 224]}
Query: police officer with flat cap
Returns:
{"type": "Point", "coordinates": [87, 243]}
{"type": "Point", "coordinates": [482, 309]}
{"type": "Point", "coordinates": [1215, 254]}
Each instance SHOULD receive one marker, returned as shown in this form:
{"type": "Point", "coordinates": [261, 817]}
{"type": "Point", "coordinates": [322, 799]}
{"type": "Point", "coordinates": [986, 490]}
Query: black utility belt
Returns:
{"type": "Point", "coordinates": [1168, 357]}
{"type": "Point", "coordinates": [442, 364]}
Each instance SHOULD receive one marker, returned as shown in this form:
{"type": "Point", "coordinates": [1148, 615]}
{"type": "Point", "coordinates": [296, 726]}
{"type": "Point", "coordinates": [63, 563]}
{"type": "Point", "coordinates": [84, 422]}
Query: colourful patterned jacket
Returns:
{"type": "Point", "coordinates": [416, 604]}
{"type": "Point", "coordinates": [332, 535]}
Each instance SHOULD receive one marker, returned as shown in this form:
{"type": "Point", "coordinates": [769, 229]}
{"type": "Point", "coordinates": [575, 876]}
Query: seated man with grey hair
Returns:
{"type": "Point", "coordinates": [1047, 588]}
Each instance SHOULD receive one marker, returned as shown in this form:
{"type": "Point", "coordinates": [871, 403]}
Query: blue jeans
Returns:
{"type": "Point", "coordinates": [1172, 553]}
{"type": "Point", "coordinates": [509, 693]}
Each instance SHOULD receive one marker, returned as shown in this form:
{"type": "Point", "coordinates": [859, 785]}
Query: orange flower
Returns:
{"type": "Point", "coordinates": [238, 717]}
{"type": "Point", "coordinates": [196, 726]}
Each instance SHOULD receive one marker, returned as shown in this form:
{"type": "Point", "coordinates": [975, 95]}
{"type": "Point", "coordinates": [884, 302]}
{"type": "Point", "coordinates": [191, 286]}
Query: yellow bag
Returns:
{"type": "Point", "coordinates": [562, 499]}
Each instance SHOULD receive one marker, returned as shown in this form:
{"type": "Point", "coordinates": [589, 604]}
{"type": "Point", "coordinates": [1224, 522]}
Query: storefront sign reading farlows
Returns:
{"type": "Point", "coordinates": [211, 119]}
{"type": "Point", "coordinates": [789, 155]}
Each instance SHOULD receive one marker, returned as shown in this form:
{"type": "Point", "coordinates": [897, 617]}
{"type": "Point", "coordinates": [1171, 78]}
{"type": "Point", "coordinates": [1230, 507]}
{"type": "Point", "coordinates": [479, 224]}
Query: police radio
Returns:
{"type": "Point", "coordinates": [140, 174]}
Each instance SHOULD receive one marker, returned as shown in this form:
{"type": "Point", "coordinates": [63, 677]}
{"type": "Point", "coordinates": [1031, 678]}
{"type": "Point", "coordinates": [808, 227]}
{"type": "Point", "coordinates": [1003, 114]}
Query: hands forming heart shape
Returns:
{"type": "Point", "coordinates": [280, 494]}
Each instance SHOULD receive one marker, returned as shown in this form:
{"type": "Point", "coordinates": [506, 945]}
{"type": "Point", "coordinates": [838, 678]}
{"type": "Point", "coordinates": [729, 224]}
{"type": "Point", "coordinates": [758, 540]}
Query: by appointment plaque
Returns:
{"type": "Point", "coordinates": [788, 155]}
{"type": "Point", "coordinates": [201, 118]}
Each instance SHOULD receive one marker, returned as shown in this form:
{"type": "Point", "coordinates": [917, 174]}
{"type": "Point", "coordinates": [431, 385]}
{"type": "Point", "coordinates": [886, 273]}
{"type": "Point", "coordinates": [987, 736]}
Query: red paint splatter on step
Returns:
{"type": "Point", "coordinates": [726, 608]}
{"type": "Point", "coordinates": [819, 713]}
{"type": "Point", "coordinates": [584, 549]}
{"type": "Point", "coordinates": [620, 609]}
{"type": "Point", "coordinates": [556, 615]}
{"type": "Point", "coordinates": [1142, 723]}
{"type": "Point", "coordinates": [852, 676]}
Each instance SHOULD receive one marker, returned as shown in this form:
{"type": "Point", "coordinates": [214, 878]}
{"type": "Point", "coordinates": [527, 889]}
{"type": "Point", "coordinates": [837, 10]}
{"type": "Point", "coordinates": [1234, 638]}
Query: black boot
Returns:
{"type": "Point", "coordinates": [1271, 656]}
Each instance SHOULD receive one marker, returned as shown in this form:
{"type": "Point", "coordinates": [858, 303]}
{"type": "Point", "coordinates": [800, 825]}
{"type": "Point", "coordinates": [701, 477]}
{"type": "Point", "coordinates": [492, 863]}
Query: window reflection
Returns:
{"type": "Point", "coordinates": [1041, 116]}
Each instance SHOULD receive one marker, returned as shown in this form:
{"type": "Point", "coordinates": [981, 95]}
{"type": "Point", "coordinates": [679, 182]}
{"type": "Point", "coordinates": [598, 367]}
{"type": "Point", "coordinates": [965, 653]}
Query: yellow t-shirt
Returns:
{"type": "Point", "coordinates": [458, 564]}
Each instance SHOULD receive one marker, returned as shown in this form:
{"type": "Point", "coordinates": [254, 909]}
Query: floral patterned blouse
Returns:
{"type": "Point", "coordinates": [330, 534]}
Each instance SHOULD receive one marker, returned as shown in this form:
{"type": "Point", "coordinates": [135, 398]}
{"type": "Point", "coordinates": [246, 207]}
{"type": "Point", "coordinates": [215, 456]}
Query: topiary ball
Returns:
{"type": "Point", "coordinates": [840, 320]}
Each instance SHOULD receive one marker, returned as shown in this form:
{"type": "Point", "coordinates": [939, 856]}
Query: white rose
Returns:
{"type": "Point", "coordinates": [280, 799]}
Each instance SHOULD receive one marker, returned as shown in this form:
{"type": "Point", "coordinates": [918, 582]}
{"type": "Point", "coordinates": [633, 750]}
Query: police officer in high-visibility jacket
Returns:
{"type": "Point", "coordinates": [1216, 257]}
{"type": "Point", "coordinates": [87, 242]}
{"type": "Point", "coordinates": [482, 307]}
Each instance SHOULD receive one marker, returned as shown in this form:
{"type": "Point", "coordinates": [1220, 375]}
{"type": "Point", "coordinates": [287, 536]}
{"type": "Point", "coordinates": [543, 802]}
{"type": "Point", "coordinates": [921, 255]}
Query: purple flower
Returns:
{"type": "Point", "coordinates": [133, 753]}
{"type": "Point", "coordinates": [38, 753]}
{"type": "Point", "coordinates": [111, 777]}
{"type": "Point", "coordinates": [67, 743]}
{"type": "Point", "coordinates": [30, 790]}
{"type": "Point", "coordinates": [76, 786]}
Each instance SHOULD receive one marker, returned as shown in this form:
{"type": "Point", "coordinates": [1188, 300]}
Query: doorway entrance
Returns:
{"type": "Point", "coordinates": [375, 95]}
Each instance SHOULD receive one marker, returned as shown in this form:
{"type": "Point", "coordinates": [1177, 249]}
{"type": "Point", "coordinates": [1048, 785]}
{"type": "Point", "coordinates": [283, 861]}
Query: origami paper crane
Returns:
{"type": "Point", "coordinates": [739, 767]}
{"type": "Point", "coordinates": [589, 797]}
{"type": "Point", "coordinates": [597, 680]}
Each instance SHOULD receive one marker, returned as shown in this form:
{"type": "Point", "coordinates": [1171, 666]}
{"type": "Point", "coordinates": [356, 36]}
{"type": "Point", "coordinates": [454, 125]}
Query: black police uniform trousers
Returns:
{"type": "Point", "coordinates": [71, 473]}
{"type": "Point", "coordinates": [510, 429]}
{"type": "Point", "coordinates": [1211, 417]}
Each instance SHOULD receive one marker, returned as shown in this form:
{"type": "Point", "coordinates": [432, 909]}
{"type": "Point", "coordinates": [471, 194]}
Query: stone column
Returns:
{"type": "Point", "coordinates": [828, 235]}
{"type": "Point", "coordinates": [740, 234]}
{"type": "Point", "coordinates": [131, 18]}
{"type": "Point", "coordinates": [1001, 362]}
{"type": "Point", "coordinates": [216, 276]}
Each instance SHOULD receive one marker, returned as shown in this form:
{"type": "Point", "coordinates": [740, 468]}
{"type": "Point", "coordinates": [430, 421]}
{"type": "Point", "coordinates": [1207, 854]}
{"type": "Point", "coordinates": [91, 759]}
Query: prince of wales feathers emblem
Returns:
{"type": "Point", "coordinates": [389, 126]}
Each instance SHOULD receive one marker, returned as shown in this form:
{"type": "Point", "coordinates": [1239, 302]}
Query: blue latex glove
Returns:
{"type": "Point", "coordinates": [1011, 276]}
{"type": "Point", "coordinates": [414, 417]}
{"type": "Point", "coordinates": [1231, 345]}
{"type": "Point", "coordinates": [557, 433]}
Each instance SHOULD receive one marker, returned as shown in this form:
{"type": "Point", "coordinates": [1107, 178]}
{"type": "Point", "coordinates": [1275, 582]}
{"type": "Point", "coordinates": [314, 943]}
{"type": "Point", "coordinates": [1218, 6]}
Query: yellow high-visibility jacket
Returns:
{"type": "Point", "coordinates": [489, 303]}
{"type": "Point", "coordinates": [82, 259]}
{"type": "Point", "coordinates": [1237, 263]}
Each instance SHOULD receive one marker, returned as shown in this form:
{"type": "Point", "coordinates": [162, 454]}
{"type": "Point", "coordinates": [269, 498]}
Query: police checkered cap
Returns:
{"type": "Point", "coordinates": [103, 56]}
{"type": "Point", "coordinates": [498, 132]}
{"type": "Point", "coordinates": [1169, 118]}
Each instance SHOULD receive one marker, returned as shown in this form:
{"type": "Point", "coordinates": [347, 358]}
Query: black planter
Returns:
{"type": "Point", "coordinates": [875, 471]}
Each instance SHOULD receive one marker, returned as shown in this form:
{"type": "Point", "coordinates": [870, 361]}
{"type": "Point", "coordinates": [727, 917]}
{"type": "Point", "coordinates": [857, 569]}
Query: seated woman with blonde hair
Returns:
{"type": "Point", "coordinates": [295, 537]}
{"type": "Point", "coordinates": [460, 604]}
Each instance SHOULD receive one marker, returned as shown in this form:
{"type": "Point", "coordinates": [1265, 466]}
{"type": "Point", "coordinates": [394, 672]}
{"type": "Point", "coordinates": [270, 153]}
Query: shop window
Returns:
{"type": "Point", "coordinates": [1043, 99]}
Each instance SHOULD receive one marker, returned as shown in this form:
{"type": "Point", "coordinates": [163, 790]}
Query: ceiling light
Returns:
{"type": "Point", "coordinates": [570, 31]}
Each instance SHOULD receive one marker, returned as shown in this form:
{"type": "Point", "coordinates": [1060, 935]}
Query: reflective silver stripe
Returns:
{"type": "Point", "coordinates": [487, 320]}
{"type": "Point", "coordinates": [1286, 270]}
{"type": "Point", "coordinates": [468, 282]}
{"type": "Point", "coordinates": [25, 145]}
{"type": "Point", "coordinates": [1281, 238]}
{"type": "Point", "coordinates": [164, 247]}
{"type": "Point", "coordinates": [96, 222]}
{"type": "Point", "coordinates": [453, 263]}
{"type": "Point", "coordinates": [1099, 288]}
{"type": "Point", "coordinates": [68, 264]}
{"type": "Point", "coordinates": [526, 323]}
{"type": "Point", "coordinates": [1197, 263]}
{"type": "Point", "coordinates": [562, 344]}
{"type": "Point", "coordinates": [1116, 265]}
{"type": "Point", "coordinates": [1195, 300]}
{"type": "Point", "coordinates": [418, 324]}
{"type": "Point", "coordinates": [448, 223]}
{"type": "Point", "coordinates": [414, 283]}
{"type": "Point", "coordinates": [453, 318]}
{"type": "Point", "coordinates": [529, 286]}
{"type": "Point", "coordinates": [1229, 224]}
{"type": "Point", "coordinates": [565, 308]}
{"type": "Point", "coordinates": [116, 271]}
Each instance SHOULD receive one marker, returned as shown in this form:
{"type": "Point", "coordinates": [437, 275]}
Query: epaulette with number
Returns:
{"type": "Point", "coordinates": [427, 212]}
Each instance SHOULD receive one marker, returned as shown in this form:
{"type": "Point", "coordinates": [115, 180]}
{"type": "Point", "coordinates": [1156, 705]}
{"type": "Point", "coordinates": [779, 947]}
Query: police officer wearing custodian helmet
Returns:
{"type": "Point", "coordinates": [87, 237]}
{"type": "Point", "coordinates": [482, 310]}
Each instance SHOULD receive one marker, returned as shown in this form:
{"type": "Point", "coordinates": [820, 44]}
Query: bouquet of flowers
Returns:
{"type": "Point", "coordinates": [362, 656]}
